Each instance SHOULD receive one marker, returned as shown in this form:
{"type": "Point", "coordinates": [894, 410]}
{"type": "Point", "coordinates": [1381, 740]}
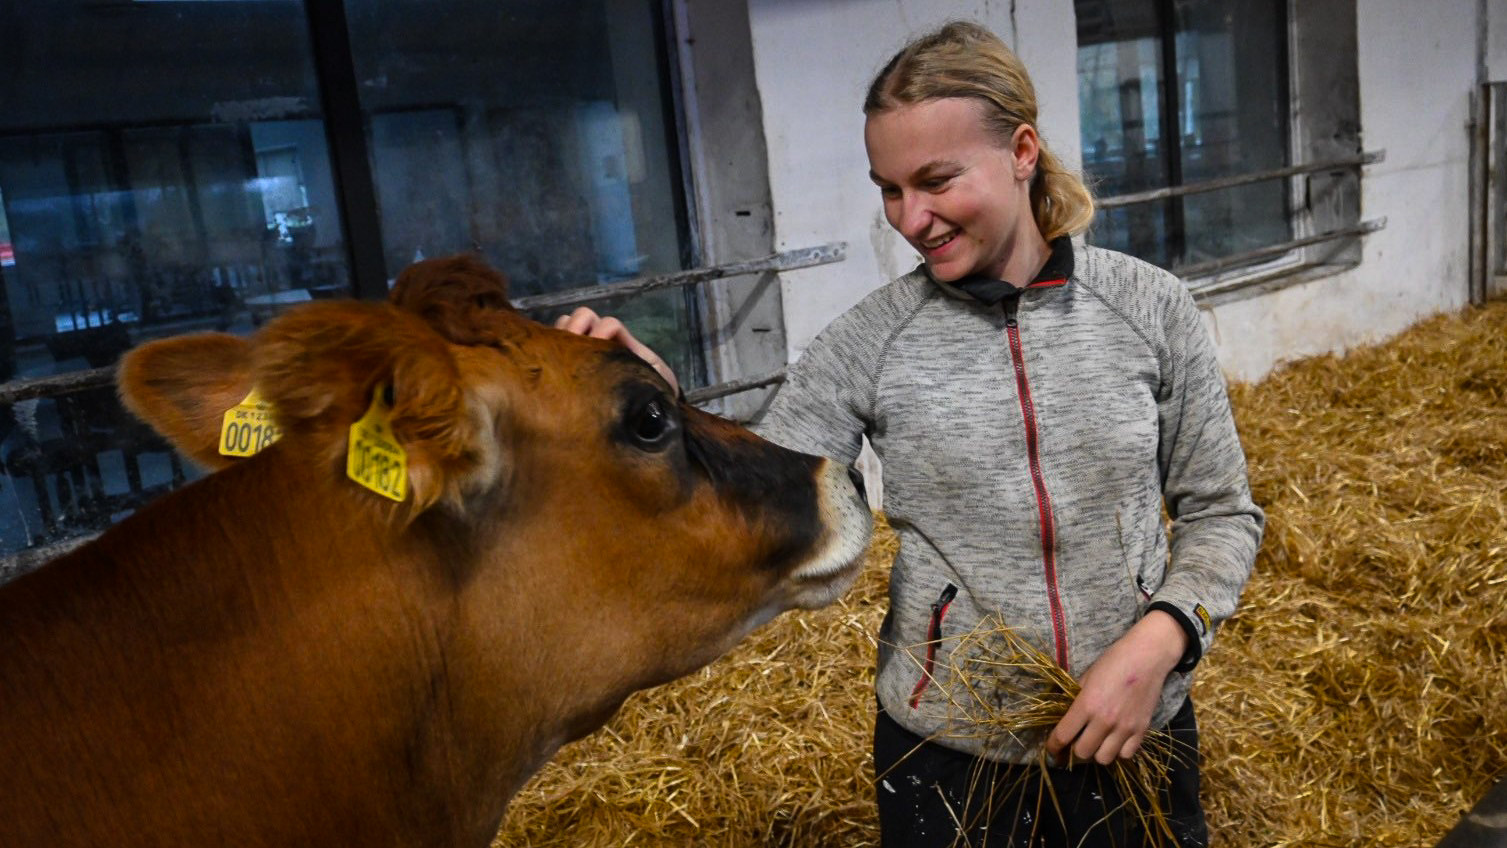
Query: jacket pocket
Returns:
{"type": "Point", "coordinates": [933, 638]}
{"type": "Point", "coordinates": [1143, 588]}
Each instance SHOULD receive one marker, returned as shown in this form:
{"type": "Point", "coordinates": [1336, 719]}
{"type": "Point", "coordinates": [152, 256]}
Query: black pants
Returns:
{"type": "Point", "coordinates": [930, 795]}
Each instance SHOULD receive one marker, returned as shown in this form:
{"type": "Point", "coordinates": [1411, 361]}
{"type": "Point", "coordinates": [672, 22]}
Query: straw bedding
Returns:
{"type": "Point", "coordinates": [1356, 698]}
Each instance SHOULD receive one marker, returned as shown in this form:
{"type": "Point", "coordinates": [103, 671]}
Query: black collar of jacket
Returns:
{"type": "Point", "coordinates": [1056, 272]}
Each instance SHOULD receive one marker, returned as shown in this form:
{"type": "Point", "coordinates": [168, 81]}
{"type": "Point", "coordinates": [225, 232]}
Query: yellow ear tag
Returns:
{"type": "Point", "coordinates": [374, 458]}
{"type": "Point", "coordinates": [247, 427]}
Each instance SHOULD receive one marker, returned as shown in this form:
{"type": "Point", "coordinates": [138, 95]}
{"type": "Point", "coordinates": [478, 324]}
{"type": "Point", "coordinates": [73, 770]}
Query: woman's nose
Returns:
{"type": "Point", "coordinates": [914, 218]}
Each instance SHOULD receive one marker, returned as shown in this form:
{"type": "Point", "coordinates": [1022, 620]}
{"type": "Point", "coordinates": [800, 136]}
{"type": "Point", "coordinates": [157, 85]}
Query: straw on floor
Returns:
{"type": "Point", "coordinates": [1356, 698]}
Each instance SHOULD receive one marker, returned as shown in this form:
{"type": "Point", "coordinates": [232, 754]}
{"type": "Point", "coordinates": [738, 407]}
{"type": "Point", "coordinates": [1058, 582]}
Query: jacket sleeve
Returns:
{"type": "Point", "coordinates": [825, 405]}
{"type": "Point", "coordinates": [1216, 527]}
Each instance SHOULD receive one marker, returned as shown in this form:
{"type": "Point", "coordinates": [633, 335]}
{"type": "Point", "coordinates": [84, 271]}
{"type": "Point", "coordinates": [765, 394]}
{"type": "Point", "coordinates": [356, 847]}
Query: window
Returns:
{"type": "Point", "coordinates": [135, 200]}
{"type": "Point", "coordinates": [1174, 93]}
{"type": "Point", "coordinates": [539, 132]}
{"type": "Point", "coordinates": [167, 167]}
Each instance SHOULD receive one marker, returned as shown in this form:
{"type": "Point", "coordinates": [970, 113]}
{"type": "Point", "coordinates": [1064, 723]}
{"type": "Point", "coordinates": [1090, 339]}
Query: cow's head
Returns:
{"type": "Point", "coordinates": [595, 530]}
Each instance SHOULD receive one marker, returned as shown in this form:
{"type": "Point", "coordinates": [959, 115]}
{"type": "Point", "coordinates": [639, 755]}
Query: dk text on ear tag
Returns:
{"type": "Point", "coordinates": [374, 459]}
{"type": "Point", "coordinates": [247, 427]}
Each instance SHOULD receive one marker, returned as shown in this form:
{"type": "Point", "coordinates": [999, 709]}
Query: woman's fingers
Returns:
{"type": "Point", "coordinates": [584, 322]}
{"type": "Point", "coordinates": [580, 321]}
{"type": "Point", "coordinates": [1132, 745]}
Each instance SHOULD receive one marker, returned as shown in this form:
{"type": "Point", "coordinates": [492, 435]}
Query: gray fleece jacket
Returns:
{"type": "Point", "coordinates": [1029, 447]}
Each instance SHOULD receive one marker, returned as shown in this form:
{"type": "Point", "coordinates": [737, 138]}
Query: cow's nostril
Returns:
{"type": "Point", "coordinates": [857, 477]}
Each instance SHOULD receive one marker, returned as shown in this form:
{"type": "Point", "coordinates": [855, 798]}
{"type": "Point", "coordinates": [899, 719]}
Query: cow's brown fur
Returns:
{"type": "Point", "coordinates": [275, 656]}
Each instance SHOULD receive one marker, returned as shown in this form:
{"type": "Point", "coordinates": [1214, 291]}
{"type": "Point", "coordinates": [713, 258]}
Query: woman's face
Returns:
{"type": "Point", "coordinates": [950, 188]}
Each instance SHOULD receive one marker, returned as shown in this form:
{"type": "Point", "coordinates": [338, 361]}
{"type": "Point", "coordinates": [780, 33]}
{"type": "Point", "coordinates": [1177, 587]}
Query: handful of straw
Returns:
{"type": "Point", "coordinates": [1002, 688]}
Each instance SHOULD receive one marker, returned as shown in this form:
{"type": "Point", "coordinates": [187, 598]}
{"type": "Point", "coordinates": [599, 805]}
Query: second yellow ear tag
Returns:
{"type": "Point", "coordinates": [247, 427]}
{"type": "Point", "coordinates": [374, 459]}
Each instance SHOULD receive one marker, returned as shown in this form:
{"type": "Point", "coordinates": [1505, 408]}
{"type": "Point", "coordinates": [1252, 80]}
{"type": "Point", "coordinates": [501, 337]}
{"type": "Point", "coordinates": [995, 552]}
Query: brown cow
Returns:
{"type": "Point", "coordinates": [276, 656]}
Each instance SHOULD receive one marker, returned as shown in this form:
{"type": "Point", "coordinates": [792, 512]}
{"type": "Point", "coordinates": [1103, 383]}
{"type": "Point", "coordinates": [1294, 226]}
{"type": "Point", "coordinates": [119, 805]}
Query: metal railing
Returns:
{"type": "Point", "coordinates": [1214, 266]}
{"type": "Point", "coordinates": [1218, 264]}
{"type": "Point", "coordinates": [17, 564]}
{"type": "Point", "coordinates": [790, 260]}
{"type": "Point", "coordinates": [1119, 200]}
{"type": "Point", "coordinates": [57, 384]}
{"type": "Point", "coordinates": [696, 397]}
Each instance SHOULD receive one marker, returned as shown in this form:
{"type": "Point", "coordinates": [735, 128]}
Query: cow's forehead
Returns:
{"type": "Point", "coordinates": [542, 361]}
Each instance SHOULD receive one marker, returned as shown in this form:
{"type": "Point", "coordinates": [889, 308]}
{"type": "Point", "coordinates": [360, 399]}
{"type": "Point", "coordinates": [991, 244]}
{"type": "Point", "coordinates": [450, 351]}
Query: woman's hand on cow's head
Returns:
{"type": "Point", "coordinates": [584, 322]}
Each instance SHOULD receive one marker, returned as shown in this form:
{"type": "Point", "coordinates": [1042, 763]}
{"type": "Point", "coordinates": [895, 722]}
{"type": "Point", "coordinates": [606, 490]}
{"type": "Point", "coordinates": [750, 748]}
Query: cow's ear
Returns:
{"type": "Point", "coordinates": [320, 366]}
{"type": "Point", "coordinates": [183, 386]}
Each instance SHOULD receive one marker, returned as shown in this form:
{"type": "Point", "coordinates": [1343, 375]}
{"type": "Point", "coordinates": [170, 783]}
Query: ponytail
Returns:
{"type": "Point", "coordinates": [1061, 204]}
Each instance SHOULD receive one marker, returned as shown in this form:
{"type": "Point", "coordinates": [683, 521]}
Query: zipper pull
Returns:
{"type": "Point", "coordinates": [1012, 307]}
{"type": "Point", "coordinates": [948, 593]}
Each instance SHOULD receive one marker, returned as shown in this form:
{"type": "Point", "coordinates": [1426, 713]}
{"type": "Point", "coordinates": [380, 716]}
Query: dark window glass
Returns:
{"type": "Point", "coordinates": [1173, 92]}
{"type": "Point", "coordinates": [163, 169]}
{"type": "Point", "coordinates": [540, 133]}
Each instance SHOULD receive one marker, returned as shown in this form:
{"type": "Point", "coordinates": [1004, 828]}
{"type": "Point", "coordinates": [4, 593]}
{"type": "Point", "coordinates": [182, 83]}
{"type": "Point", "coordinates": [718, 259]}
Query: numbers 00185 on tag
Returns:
{"type": "Point", "coordinates": [247, 427]}
{"type": "Point", "coordinates": [374, 459]}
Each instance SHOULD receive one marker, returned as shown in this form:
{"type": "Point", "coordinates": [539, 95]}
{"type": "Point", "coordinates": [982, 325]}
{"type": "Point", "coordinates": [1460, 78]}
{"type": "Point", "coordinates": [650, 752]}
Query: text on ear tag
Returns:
{"type": "Point", "coordinates": [374, 459]}
{"type": "Point", "coordinates": [247, 427]}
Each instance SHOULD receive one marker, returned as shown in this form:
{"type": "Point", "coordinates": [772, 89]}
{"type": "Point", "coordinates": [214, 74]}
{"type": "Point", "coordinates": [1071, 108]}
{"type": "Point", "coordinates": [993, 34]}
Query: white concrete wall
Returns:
{"type": "Point", "coordinates": [1417, 69]}
{"type": "Point", "coordinates": [814, 62]}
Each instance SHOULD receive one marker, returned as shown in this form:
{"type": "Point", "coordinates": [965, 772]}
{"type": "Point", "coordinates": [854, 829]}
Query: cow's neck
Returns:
{"type": "Point", "coordinates": [518, 643]}
{"type": "Point", "coordinates": [448, 659]}
{"type": "Point", "coordinates": [400, 660]}
{"type": "Point", "coordinates": [359, 672]}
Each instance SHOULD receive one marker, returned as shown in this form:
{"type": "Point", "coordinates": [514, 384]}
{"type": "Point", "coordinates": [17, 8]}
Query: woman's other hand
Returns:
{"type": "Point", "coordinates": [1112, 713]}
{"type": "Point", "coordinates": [585, 322]}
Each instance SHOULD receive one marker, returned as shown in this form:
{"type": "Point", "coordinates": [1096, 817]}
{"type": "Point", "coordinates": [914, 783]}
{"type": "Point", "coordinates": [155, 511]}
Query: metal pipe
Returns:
{"type": "Point", "coordinates": [696, 397]}
{"type": "Point", "coordinates": [790, 260]}
{"type": "Point", "coordinates": [1213, 265]}
{"type": "Point", "coordinates": [57, 384]}
{"type": "Point", "coordinates": [1120, 200]}
{"type": "Point", "coordinates": [1480, 156]}
{"type": "Point", "coordinates": [16, 564]}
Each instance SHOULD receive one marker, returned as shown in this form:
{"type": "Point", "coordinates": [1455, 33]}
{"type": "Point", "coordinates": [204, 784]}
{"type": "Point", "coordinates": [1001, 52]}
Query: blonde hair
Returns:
{"type": "Point", "coordinates": [965, 60]}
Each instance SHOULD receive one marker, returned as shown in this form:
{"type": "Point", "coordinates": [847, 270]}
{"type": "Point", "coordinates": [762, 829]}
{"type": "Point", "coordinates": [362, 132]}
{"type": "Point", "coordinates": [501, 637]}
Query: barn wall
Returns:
{"type": "Point", "coordinates": [813, 61]}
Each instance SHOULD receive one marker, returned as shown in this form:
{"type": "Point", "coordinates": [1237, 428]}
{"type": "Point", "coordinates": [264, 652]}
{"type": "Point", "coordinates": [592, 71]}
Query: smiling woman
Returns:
{"type": "Point", "coordinates": [1036, 406]}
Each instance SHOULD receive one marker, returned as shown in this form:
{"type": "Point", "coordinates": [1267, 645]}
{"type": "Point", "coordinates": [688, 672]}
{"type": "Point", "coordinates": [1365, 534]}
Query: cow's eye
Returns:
{"type": "Point", "coordinates": [651, 425]}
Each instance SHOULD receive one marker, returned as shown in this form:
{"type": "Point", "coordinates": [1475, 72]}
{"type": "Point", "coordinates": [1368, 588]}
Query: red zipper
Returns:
{"type": "Point", "coordinates": [933, 638]}
{"type": "Point", "coordinates": [1043, 499]}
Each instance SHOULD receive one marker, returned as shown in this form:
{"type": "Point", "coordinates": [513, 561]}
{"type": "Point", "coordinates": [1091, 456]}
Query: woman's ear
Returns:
{"type": "Point", "coordinates": [1025, 149]}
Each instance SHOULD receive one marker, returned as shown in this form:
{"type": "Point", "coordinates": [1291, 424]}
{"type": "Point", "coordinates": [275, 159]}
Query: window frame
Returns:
{"type": "Point", "coordinates": [1320, 74]}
